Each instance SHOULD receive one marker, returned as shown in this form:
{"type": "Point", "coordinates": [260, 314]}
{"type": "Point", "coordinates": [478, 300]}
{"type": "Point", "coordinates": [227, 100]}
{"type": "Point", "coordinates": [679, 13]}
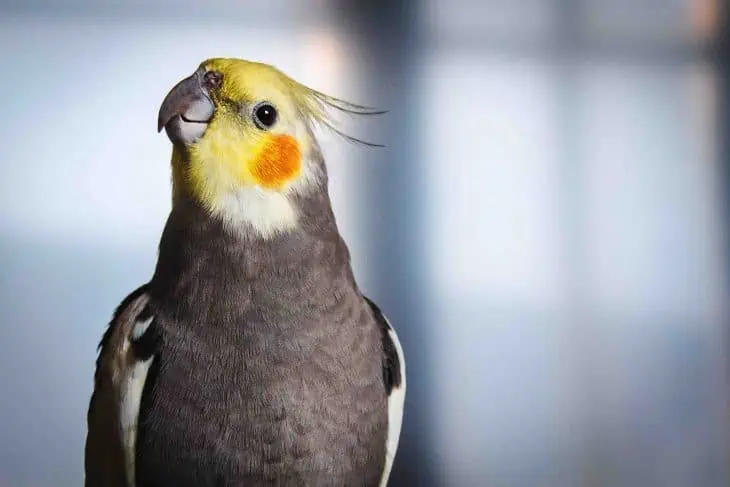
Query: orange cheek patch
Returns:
{"type": "Point", "coordinates": [278, 162]}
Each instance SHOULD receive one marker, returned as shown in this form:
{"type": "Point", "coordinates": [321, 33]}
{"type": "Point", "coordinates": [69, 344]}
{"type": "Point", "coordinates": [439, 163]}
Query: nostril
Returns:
{"type": "Point", "coordinates": [213, 79]}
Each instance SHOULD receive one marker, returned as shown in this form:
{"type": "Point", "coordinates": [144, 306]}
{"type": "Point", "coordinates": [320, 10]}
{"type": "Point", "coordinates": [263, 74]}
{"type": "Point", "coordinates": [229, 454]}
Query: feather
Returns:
{"type": "Point", "coordinates": [318, 107]}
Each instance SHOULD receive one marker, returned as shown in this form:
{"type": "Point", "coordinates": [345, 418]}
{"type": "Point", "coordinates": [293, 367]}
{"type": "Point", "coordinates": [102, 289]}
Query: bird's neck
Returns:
{"type": "Point", "coordinates": [180, 185]}
{"type": "Point", "coordinates": [204, 264]}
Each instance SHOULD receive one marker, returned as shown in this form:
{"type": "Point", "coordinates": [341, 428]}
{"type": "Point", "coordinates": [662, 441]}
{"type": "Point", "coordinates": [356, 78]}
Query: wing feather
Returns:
{"type": "Point", "coordinates": [394, 380]}
{"type": "Point", "coordinates": [118, 381]}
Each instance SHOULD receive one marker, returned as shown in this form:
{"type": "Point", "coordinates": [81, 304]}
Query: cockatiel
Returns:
{"type": "Point", "coordinates": [251, 357]}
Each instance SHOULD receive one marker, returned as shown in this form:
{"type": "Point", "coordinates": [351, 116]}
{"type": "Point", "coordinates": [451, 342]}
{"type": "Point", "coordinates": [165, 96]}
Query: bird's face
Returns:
{"type": "Point", "coordinates": [242, 140]}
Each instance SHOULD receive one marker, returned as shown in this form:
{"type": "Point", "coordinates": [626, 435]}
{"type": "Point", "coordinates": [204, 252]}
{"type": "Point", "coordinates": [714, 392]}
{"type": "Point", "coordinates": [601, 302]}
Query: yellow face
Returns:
{"type": "Point", "coordinates": [242, 141]}
{"type": "Point", "coordinates": [255, 135]}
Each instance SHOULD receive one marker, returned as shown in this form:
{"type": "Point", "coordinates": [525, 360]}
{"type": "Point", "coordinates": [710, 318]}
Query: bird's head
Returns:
{"type": "Point", "coordinates": [243, 141]}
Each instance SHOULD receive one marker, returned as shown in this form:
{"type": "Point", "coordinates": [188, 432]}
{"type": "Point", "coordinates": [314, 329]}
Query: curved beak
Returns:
{"type": "Point", "coordinates": [186, 110]}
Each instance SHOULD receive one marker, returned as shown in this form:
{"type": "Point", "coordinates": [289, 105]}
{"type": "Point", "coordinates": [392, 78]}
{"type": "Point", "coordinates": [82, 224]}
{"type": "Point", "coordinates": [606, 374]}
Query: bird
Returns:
{"type": "Point", "coordinates": [251, 357]}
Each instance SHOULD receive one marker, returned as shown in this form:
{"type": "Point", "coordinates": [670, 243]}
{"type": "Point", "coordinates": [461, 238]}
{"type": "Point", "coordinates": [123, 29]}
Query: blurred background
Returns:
{"type": "Point", "coordinates": [547, 228]}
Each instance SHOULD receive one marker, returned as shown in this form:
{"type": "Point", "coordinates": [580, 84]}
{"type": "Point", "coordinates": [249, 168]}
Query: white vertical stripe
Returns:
{"type": "Point", "coordinates": [396, 401]}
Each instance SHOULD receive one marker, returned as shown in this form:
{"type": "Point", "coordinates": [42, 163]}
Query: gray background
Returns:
{"type": "Point", "coordinates": [547, 227]}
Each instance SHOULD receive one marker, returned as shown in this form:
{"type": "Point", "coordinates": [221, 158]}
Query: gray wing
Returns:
{"type": "Point", "coordinates": [394, 380]}
{"type": "Point", "coordinates": [121, 369]}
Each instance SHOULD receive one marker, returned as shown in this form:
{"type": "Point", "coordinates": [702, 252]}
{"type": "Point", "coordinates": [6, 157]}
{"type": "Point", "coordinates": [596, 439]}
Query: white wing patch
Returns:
{"type": "Point", "coordinates": [140, 327]}
{"type": "Point", "coordinates": [121, 371]}
{"type": "Point", "coordinates": [130, 395]}
{"type": "Point", "coordinates": [396, 401]}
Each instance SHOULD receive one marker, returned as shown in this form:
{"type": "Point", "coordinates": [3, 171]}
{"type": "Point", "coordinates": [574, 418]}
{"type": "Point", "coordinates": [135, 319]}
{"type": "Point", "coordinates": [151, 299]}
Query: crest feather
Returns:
{"type": "Point", "coordinates": [318, 107]}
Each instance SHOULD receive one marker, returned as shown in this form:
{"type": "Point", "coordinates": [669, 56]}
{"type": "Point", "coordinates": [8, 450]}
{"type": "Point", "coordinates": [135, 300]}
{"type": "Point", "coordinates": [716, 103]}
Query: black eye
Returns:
{"type": "Point", "coordinates": [264, 115]}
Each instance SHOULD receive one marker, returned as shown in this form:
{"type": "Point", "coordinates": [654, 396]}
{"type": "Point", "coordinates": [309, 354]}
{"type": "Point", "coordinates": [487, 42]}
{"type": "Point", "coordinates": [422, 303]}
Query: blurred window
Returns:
{"type": "Point", "coordinates": [575, 241]}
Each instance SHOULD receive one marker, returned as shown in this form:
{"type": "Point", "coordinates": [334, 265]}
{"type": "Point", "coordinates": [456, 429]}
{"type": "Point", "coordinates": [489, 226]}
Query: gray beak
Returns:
{"type": "Point", "coordinates": [186, 110]}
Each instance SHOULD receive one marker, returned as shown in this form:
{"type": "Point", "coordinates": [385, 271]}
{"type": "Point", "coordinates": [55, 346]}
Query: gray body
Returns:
{"type": "Point", "coordinates": [267, 366]}
{"type": "Point", "coordinates": [270, 361]}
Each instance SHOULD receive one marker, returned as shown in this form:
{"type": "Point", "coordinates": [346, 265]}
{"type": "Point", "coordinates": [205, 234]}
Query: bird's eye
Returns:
{"type": "Point", "coordinates": [264, 115]}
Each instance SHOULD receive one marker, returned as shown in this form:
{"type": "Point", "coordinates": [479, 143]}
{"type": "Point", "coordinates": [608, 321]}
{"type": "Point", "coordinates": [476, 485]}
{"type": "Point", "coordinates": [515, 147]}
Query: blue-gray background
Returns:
{"type": "Point", "coordinates": [547, 228]}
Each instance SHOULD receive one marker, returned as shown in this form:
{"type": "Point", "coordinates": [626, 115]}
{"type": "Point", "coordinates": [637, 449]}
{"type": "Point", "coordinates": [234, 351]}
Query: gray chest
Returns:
{"type": "Point", "coordinates": [249, 398]}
